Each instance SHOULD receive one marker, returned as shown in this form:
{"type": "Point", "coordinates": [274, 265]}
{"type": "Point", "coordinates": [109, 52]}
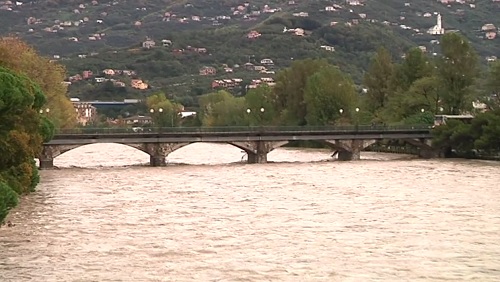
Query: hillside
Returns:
{"type": "Point", "coordinates": [96, 35]}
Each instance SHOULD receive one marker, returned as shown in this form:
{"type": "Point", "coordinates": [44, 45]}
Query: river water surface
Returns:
{"type": "Point", "coordinates": [106, 216]}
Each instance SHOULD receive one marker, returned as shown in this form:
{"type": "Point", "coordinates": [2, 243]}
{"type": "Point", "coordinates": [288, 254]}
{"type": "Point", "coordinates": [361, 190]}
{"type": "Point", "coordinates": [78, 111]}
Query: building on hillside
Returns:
{"type": "Point", "coordinates": [138, 84]}
{"type": "Point", "coordinates": [85, 112]}
{"type": "Point", "coordinates": [438, 28]}
{"type": "Point", "coordinates": [207, 71]}
{"type": "Point", "coordinates": [138, 120]}
{"type": "Point", "coordinates": [148, 44]}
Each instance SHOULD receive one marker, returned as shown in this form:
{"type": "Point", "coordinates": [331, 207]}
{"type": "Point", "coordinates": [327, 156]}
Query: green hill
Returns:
{"type": "Point", "coordinates": [108, 35]}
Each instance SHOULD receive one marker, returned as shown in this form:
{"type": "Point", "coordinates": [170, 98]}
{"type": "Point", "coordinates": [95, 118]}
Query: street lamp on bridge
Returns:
{"type": "Point", "coordinates": [47, 110]}
{"type": "Point", "coordinates": [249, 111]}
{"type": "Point", "coordinates": [152, 111]}
{"type": "Point", "coordinates": [357, 118]}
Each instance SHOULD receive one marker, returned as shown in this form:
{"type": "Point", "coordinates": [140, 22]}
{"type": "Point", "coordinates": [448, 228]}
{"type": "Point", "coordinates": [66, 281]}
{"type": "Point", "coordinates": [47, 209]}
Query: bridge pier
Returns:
{"type": "Point", "coordinates": [349, 150]}
{"type": "Point", "coordinates": [348, 156]}
{"type": "Point", "coordinates": [46, 158]}
{"type": "Point", "coordinates": [159, 151]}
{"type": "Point", "coordinates": [46, 164]}
{"type": "Point", "coordinates": [258, 158]}
{"type": "Point", "coordinates": [157, 161]}
{"type": "Point", "coordinates": [257, 150]}
{"type": "Point", "coordinates": [425, 148]}
{"type": "Point", "coordinates": [429, 153]}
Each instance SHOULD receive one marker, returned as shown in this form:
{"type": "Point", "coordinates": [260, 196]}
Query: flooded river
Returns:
{"type": "Point", "coordinates": [106, 216]}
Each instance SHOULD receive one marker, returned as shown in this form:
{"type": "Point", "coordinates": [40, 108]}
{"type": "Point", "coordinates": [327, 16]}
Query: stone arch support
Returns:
{"type": "Point", "coordinates": [159, 151]}
{"type": "Point", "coordinates": [425, 148]}
{"type": "Point", "coordinates": [350, 149]}
{"type": "Point", "coordinates": [257, 150]}
{"type": "Point", "coordinates": [50, 152]}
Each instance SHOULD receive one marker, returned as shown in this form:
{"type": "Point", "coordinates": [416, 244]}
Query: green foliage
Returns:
{"type": "Point", "coordinates": [415, 66]}
{"type": "Point", "coordinates": [458, 70]}
{"type": "Point", "coordinates": [8, 200]}
{"type": "Point", "coordinates": [420, 118]}
{"type": "Point", "coordinates": [290, 89]}
{"type": "Point", "coordinates": [163, 112]}
{"type": "Point", "coordinates": [47, 129]}
{"type": "Point", "coordinates": [260, 108]}
{"type": "Point", "coordinates": [481, 136]}
{"type": "Point", "coordinates": [330, 95]}
{"type": "Point", "coordinates": [22, 131]}
{"type": "Point", "coordinates": [486, 129]}
{"type": "Point", "coordinates": [493, 86]}
{"type": "Point", "coordinates": [377, 80]}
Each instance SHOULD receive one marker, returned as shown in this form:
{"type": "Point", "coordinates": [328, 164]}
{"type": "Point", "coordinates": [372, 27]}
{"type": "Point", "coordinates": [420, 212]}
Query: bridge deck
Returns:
{"type": "Point", "coordinates": [235, 134]}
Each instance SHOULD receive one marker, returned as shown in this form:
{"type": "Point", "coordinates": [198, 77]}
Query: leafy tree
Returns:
{"type": "Point", "coordinates": [262, 111]}
{"type": "Point", "coordinates": [8, 199]}
{"type": "Point", "coordinates": [493, 86]}
{"type": "Point", "coordinates": [207, 106]}
{"type": "Point", "coordinates": [423, 95]}
{"type": "Point", "coordinates": [377, 80]}
{"type": "Point", "coordinates": [455, 135]}
{"type": "Point", "coordinates": [289, 92]}
{"type": "Point", "coordinates": [223, 109]}
{"type": "Point", "coordinates": [486, 129]}
{"type": "Point", "coordinates": [329, 96]}
{"type": "Point", "coordinates": [458, 71]}
{"type": "Point", "coordinates": [163, 112]}
{"type": "Point", "coordinates": [414, 67]}
{"type": "Point", "coordinates": [229, 112]}
{"type": "Point", "coordinates": [22, 131]}
{"type": "Point", "coordinates": [18, 56]}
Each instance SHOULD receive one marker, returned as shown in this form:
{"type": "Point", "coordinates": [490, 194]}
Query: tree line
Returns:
{"type": "Point", "coordinates": [409, 91]}
{"type": "Point", "coordinates": [33, 102]}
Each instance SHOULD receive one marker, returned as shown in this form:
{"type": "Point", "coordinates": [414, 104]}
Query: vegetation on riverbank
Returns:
{"type": "Point", "coordinates": [25, 123]}
{"type": "Point", "coordinates": [22, 131]}
{"type": "Point", "coordinates": [315, 92]}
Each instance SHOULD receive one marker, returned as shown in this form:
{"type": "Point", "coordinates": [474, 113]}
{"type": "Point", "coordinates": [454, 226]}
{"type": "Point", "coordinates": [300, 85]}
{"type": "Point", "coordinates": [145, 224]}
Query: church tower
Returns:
{"type": "Point", "coordinates": [438, 28]}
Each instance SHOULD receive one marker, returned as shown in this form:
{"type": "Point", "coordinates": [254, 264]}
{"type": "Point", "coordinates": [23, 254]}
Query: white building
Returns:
{"type": "Point", "coordinates": [438, 28]}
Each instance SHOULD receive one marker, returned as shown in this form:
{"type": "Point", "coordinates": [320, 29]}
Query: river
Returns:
{"type": "Point", "coordinates": [104, 215]}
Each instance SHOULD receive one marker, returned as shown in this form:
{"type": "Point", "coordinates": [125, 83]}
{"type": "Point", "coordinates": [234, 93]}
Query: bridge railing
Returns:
{"type": "Point", "coordinates": [245, 129]}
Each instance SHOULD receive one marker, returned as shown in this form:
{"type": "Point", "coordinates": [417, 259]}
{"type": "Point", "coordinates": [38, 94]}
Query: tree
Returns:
{"type": "Point", "coordinates": [377, 80]}
{"type": "Point", "coordinates": [457, 70]}
{"type": "Point", "coordinates": [329, 95]}
{"type": "Point", "coordinates": [493, 86]}
{"type": "Point", "coordinates": [22, 131]}
{"type": "Point", "coordinates": [164, 113]}
{"type": "Point", "coordinates": [414, 67]}
{"type": "Point", "coordinates": [18, 56]}
{"type": "Point", "coordinates": [486, 129]}
{"type": "Point", "coordinates": [222, 109]}
{"type": "Point", "coordinates": [262, 111]}
{"type": "Point", "coordinates": [423, 95]}
{"type": "Point", "coordinates": [288, 97]}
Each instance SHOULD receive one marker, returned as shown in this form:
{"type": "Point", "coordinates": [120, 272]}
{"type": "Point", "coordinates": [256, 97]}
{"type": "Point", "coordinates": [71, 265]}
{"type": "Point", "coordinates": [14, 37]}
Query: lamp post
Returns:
{"type": "Point", "coordinates": [260, 116]}
{"type": "Point", "coordinates": [152, 111]}
{"type": "Point", "coordinates": [248, 117]}
{"type": "Point", "coordinates": [357, 118]}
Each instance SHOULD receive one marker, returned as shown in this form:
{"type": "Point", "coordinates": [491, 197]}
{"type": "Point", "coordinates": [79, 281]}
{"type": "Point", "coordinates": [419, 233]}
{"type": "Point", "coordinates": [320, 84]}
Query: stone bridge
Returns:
{"type": "Point", "coordinates": [257, 142]}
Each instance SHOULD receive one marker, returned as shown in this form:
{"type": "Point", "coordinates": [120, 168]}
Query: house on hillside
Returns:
{"type": "Point", "coordinates": [267, 62]}
{"type": "Point", "coordinates": [207, 71]}
{"type": "Point", "coordinates": [148, 44]}
{"type": "Point", "coordinates": [253, 34]}
{"type": "Point", "coordinates": [138, 84]}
